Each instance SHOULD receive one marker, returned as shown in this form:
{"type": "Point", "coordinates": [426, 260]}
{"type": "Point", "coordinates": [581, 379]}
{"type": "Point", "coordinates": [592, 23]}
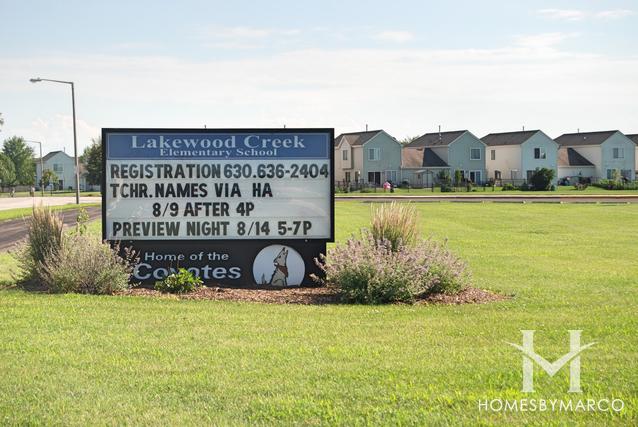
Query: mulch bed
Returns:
{"type": "Point", "coordinates": [308, 296]}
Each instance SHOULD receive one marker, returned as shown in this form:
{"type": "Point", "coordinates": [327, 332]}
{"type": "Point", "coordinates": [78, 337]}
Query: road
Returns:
{"type": "Point", "coordinates": [14, 230]}
{"type": "Point", "coordinates": [496, 199]}
{"type": "Point", "coordinates": [27, 202]}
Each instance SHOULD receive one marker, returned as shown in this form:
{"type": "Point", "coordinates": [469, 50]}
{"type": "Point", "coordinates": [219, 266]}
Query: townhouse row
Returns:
{"type": "Point", "coordinates": [374, 157]}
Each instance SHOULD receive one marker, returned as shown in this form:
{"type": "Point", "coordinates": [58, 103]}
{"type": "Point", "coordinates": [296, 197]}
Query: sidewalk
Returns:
{"type": "Point", "coordinates": [27, 202]}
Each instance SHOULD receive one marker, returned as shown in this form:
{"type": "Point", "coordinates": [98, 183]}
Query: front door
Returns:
{"type": "Point", "coordinates": [475, 177]}
{"type": "Point", "coordinates": [374, 178]}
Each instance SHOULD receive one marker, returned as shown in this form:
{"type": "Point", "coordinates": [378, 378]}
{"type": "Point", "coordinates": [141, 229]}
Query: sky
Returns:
{"type": "Point", "coordinates": [407, 67]}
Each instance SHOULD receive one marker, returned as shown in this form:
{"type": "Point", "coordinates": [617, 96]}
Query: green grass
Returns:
{"type": "Point", "coordinates": [74, 359]}
{"type": "Point", "coordinates": [564, 190]}
{"type": "Point", "coordinates": [8, 214]}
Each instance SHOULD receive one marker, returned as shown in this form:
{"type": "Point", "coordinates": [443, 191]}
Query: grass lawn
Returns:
{"type": "Point", "coordinates": [75, 359]}
{"type": "Point", "coordinates": [22, 212]}
{"type": "Point", "coordinates": [563, 190]}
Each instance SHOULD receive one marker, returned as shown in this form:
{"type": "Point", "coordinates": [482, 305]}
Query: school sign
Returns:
{"type": "Point", "coordinates": [234, 206]}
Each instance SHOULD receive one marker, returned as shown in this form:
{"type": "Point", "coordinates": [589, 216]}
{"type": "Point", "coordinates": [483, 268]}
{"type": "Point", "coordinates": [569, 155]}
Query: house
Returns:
{"type": "Point", "coordinates": [367, 157]}
{"type": "Point", "coordinates": [604, 152]}
{"type": "Point", "coordinates": [63, 166]}
{"type": "Point", "coordinates": [514, 156]}
{"type": "Point", "coordinates": [634, 138]}
{"type": "Point", "coordinates": [425, 157]}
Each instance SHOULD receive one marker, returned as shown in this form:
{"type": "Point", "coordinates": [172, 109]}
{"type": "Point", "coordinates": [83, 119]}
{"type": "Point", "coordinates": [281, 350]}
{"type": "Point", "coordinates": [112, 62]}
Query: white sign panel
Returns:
{"type": "Point", "coordinates": [218, 184]}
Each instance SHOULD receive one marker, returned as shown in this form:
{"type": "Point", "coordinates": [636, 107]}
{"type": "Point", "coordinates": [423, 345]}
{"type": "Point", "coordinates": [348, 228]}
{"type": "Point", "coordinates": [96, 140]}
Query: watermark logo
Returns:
{"type": "Point", "coordinates": [530, 357]}
{"type": "Point", "coordinates": [549, 403]}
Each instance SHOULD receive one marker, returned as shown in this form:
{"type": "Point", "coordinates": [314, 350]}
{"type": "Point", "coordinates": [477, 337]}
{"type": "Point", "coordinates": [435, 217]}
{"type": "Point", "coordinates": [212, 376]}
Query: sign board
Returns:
{"type": "Point", "coordinates": [236, 206]}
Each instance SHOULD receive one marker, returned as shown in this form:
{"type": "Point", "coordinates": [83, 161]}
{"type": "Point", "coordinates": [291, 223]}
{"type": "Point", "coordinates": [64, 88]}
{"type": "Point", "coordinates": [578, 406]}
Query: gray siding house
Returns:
{"type": "Point", "coordinates": [514, 156]}
{"type": "Point", "coordinates": [426, 156]}
{"type": "Point", "coordinates": [604, 153]}
{"type": "Point", "coordinates": [371, 157]}
{"type": "Point", "coordinates": [634, 138]}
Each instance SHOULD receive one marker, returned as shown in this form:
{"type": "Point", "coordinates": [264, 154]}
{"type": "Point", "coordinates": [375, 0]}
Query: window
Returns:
{"type": "Point", "coordinates": [539, 153]}
{"type": "Point", "coordinates": [391, 176]}
{"type": "Point", "coordinates": [475, 154]}
{"type": "Point", "coordinates": [619, 153]}
{"type": "Point", "coordinates": [497, 174]}
{"type": "Point", "coordinates": [57, 168]}
{"type": "Point", "coordinates": [626, 173]}
{"type": "Point", "coordinates": [347, 176]}
{"type": "Point", "coordinates": [529, 175]}
{"type": "Point", "coordinates": [610, 174]}
{"type": "Point", "coordinates": [493, 153]}
{"type": "Point", "coordinates": [373, 154]}
{"type": "Point", "coordinates": [344, 155]}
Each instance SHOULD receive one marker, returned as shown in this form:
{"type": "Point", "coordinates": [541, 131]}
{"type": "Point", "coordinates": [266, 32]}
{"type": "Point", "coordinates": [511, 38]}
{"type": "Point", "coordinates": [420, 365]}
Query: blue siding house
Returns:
{"type": "Point", "coordinates": [426, 156]}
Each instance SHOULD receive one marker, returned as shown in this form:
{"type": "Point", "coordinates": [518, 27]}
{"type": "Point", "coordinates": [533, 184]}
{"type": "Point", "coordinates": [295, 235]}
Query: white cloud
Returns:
{"type": "Point", "coordinates": [405, 91]}
{"type": "Point", "coordinates": [244, 37]}
{"type": "Point", "coordinates": [543, 40]}
{"type": "Point", "coordinates": [395, 36]}
{"type": "Point", "coordinates": [614, 14]}
{"type": "Point", "coordinates": [579, 15]}
{"type": "Point", "coordinates": [565, 14]}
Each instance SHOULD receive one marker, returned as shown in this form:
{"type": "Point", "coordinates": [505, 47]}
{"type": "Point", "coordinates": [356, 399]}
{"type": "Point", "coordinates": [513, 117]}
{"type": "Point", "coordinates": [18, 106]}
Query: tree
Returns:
{"type": "Point", "coordinates": [48, 177]}
{"type": "Point", "coordinates": [408, 139]}
{"type": "Point", "coordinates": [92, 160]}
{"type": "Point", "coordinates": [7, 171]}
{"type": "Point", "coordinates": [22, 157]}
{"type": "Point", "coordinates": [542, 179]}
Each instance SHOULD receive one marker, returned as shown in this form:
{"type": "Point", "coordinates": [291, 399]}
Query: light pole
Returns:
{"type": "Point", "coordinates": [75, 139]}
{"type": "Point", "coordinates": [41, 164]}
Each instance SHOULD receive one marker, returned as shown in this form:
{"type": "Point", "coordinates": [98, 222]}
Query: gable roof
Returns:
{"type": "Point", "coordinates": [508, 138]}
{"type": "Point", "coordinates": [633, 137]}
{"type": "Point", "coordinates": [417, 157]}
{"type": "Point", "coordinates": [569, 157]}
{"type": "Point", "coordinates": [357, 138]}
{"type": "Point", "coordinates": [585, 138]}
{"type": "Point", "coordinates": [436, 139]}
{"type": "Point", "coordinates": [49, 155]}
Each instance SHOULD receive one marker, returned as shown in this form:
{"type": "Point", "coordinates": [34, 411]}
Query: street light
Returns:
{"type": "Point", "coordinates": [41, 164]}
{"type": "Point", "coordinates": [75, 140]}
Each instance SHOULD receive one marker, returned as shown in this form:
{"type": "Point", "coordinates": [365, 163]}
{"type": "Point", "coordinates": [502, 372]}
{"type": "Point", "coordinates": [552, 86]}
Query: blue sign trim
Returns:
{"type": "Point", "coordinates": [218, 146]}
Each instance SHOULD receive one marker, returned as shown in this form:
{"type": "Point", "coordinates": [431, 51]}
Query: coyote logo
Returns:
{"type": "Point", "coordinates": [280, 266]}
{"type": "Point", "coordinates": [280, 275]}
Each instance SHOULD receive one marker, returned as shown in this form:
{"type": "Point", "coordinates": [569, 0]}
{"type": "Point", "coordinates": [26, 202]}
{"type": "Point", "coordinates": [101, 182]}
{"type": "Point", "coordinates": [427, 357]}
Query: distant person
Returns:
{"type": "Point", "coordinates": [13, 192]}
{"type": "Point", "coordinates": [32, 191]}
{"type": "Point", "coordinates": [387, 186]}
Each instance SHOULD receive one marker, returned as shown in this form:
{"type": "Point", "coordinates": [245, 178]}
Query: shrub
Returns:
{"type": "Point", "coordinates": [445, 188]}
{"type": "Point", "coordinates": [84, 264]}
{"type": "Point", "coordinates": [369, 271]}
{"type": "Point", "coordinates": [508, 187]}
{"type": "Point", "coordinates": [44, 239]}
{"type": "Point", "coordinates": [444, 177]}
{"type": "Point", "coordinates": [541, 179]}
{"type": "Point", "coordinates": [395, 222]}
{"type": "Point", "coordinates": [179, 283]}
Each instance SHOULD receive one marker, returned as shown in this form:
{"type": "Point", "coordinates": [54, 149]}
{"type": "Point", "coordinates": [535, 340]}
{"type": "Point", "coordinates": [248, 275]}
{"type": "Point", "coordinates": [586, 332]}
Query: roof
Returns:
{"type": "Point", "coordinates": [357, 138]}
{"type": "Point", "coordinates": [436, 139]}
{"type": "Point", "coordinates": [508, 138]}
{"type": "Point", "coordinates": [570, 157]}
{"type": "Point", "coordinates": [49, 155]}
{"type": "Point", "coordinates": [633, 137]}
{"type": "Point", "coordinates": [417, 157]}
{"type": "Point", "coordinates": [585, 138]}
